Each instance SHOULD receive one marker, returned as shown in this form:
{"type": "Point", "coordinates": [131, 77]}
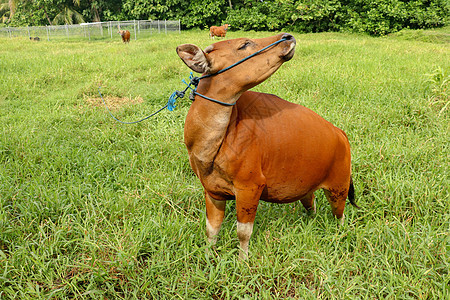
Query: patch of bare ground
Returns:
{"type": "Point", "coordinates": [114, 103]}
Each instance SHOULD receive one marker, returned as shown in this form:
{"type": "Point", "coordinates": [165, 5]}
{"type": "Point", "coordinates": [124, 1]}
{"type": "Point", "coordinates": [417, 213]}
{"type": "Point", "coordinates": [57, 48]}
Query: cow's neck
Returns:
{"type": "Point", "coordinates": [207, 122]}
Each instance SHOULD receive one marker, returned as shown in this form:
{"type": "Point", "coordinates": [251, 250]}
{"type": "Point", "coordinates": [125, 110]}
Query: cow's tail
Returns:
{"type": "Point", "coordinates": [351, 194]}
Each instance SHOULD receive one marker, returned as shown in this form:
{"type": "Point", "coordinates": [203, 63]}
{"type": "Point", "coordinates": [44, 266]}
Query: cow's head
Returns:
{"type": "Point", "coordinates": [225, 53]}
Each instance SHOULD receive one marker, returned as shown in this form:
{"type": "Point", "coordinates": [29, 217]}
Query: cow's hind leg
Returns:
{"type": "Point", "coordinates": [215, 212]}
{"type": "Point", "coordinates": [309, 203]}
{"type": "Point", "coordinates": [337, 198]}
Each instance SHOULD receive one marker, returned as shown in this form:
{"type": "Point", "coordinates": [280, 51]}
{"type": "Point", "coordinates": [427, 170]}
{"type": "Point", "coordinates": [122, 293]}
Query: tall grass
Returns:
{"type": "Point", "coordinates": [91, 208]}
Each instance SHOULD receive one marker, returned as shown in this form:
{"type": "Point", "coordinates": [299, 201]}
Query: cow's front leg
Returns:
{"type": "Point", "coordinates": [215, 212]}
{"type": "Point", "coordinates": [246, 205]}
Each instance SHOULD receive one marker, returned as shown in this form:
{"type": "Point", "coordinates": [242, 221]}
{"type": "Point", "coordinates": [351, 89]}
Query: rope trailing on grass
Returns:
{"type": "Point", "coordinates": [134, 122]}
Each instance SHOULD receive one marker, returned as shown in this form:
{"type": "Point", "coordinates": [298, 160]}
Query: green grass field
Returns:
{"type": "Point", "coordinates": [93, 209]}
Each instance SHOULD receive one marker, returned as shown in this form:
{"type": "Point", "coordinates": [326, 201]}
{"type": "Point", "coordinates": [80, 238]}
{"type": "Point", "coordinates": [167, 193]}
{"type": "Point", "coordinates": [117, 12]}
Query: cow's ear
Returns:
{"type": "Point", "coordinates": [194, 58]}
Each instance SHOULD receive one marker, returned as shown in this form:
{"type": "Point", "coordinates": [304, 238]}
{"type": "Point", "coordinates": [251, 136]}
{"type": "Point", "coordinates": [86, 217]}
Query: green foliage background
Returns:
{"type": "Point", "coordinates": [376, 17]}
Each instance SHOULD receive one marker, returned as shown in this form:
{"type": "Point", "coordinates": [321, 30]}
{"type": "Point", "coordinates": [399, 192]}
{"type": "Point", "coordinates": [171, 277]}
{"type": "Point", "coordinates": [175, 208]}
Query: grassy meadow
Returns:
{"type": "Point", "coordinates": [94, 209]}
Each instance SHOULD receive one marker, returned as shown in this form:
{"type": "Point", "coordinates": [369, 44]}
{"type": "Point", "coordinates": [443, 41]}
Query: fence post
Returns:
{"type": "Point", "coordinates": [165, 26]}
{"type": "Point", "coordinates": [48, 33]}
{"type": "Point", "coordinates": [110, 28]}
{"type": "Point", "coordinates": [134, 25]}
{"type": "Point", "coordinates": [159, 29]}
{"type": "Point", "coordinates": [67, 30]}
{"type": "Point", "coordinates": [28, 28]}
{"type": "Point", "coordinates": [179, 26]}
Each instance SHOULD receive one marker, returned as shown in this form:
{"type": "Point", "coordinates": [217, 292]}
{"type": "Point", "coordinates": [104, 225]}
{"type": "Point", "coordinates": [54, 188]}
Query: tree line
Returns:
{"type": "Point", "coordinates": [376, 17]}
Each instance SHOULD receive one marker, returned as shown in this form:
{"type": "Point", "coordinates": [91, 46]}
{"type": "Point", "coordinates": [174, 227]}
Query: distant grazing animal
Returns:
{"type": "Point", "coordinates": [125, 35]}
{"type": "Point", "coordinates": [37, 39]}
{"type": "Point", "coordinates": [254, 146]}
{"type": "Point", "coordinates": [219, 31]}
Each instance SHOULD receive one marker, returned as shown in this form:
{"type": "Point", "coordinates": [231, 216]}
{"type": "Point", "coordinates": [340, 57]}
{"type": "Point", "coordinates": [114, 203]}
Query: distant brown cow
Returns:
{"type": "Point", "coordinates": [219, 31]}
{"type": "Point", "coordinates": [125, 35]}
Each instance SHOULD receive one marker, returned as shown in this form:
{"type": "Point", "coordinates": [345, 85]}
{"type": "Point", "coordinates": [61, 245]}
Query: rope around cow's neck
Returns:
{"type": "Point", "coordinates": [194, 81]}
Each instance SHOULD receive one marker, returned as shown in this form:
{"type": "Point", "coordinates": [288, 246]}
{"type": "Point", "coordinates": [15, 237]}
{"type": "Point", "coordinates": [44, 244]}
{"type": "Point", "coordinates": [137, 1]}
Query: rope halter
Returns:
{"type": "Point", "coordinates": [194, 81]}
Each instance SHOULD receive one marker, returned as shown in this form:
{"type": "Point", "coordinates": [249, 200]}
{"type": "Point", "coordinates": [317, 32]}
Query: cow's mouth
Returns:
{"type": "Point", "coordinates": [289, 47]}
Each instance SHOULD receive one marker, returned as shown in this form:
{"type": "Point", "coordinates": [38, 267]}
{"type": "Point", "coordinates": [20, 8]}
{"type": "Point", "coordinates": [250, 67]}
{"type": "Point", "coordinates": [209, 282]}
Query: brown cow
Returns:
{"type": "Point", "coordinates": [262, 148]}
{"type": "Point", "coordinates": [125, 35]}
{"type": "Point", "coordinates": [219, 31]}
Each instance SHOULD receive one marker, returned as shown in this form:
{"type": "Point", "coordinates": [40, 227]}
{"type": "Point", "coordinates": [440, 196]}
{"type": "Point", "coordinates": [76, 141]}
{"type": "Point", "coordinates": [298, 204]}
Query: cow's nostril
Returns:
{"type": "Point", "coordinates": [288, 36]}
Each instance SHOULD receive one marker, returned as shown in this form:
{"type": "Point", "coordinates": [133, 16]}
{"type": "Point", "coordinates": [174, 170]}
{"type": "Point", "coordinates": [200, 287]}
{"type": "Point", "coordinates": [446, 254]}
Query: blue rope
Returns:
{"type": "Point", "coordinates": [244, 59]}
{"type": "Point", "coordinates": [194, 81]}
{"type": "Point", "coordinates": [214, 100]}
{"type": "Point", "coordinates": [229, 67]}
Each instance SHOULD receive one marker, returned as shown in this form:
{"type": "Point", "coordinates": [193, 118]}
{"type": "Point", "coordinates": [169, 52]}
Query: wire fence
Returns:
{"type": "Point", "coordinates": [93, 31]}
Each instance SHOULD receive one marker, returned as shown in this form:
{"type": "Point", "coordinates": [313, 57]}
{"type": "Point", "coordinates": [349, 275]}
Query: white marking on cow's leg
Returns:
{"type": "Point", "coordinates": [244, 232]}
{"type": "Point", "coordinates": [211, 232]}
{"type": "Point", "coordinates": [215, 211]}
{"type": "Point", "coordinates": [341, 220]}
{"type": "Point", "coordinates": [312, 210]}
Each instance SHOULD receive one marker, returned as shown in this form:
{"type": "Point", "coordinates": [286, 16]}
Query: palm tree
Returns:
{"type": "Point", "coordinates": [94, 11]}
{"type": "Point", "coordinates": [69, 15]}
{"type": "Point", "coordinates": [7, 9]}
{"type": "Point", "coordinates": [4, 11]}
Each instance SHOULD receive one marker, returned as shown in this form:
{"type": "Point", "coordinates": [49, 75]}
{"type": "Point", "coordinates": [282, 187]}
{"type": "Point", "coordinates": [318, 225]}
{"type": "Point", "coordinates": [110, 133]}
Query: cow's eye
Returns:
{"type": "Point", "coordinates": [244, 45]}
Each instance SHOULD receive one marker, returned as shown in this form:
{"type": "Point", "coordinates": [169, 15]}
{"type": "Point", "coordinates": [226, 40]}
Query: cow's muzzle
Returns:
{"type": "Point", "coordinates": [288, 46]}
